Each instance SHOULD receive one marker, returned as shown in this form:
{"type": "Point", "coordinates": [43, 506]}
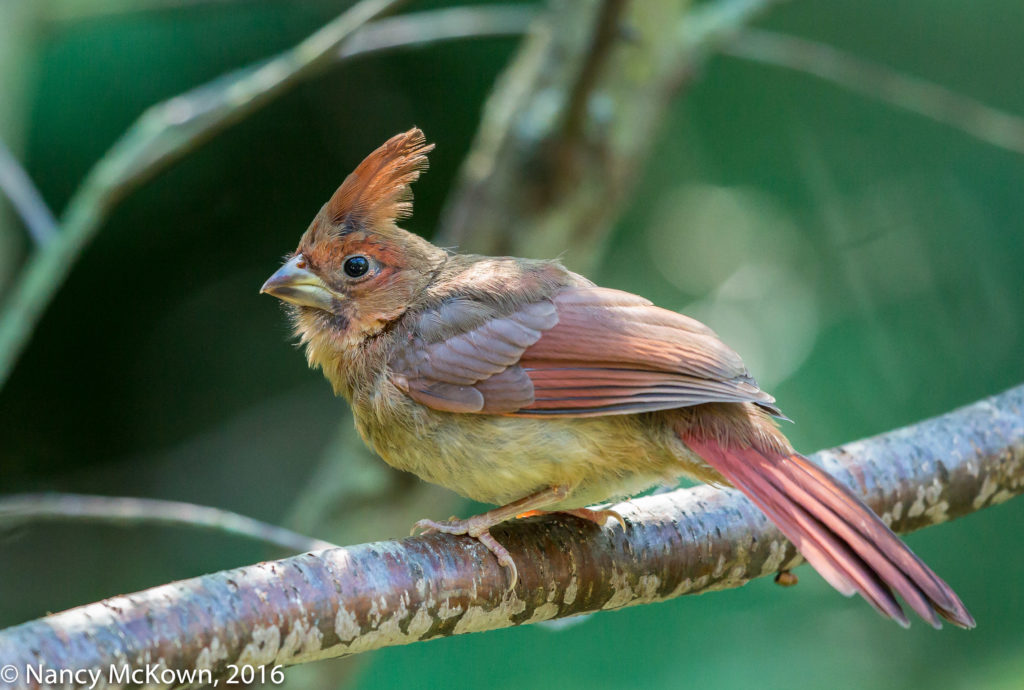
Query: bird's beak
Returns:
{"type": "Point", "coordinates": [295, 283]}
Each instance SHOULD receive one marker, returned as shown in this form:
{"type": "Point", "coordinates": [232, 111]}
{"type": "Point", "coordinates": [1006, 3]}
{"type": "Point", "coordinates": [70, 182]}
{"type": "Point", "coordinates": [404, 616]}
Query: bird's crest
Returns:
{"type": "Point", "coordinates": [377, 192]}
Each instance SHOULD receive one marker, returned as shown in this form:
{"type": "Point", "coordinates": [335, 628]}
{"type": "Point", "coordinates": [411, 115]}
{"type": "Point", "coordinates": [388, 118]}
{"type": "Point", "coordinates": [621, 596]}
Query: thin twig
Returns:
{"type": "Point", "coordinates": [25, 198]}
{"type": "Point", "coordinates": [21, 508]}
{"type": "Point", "coordinates": [349, 600]}
{"type": "Point", "coordinates": [877, 81]}
{"type": "Point", "coordinates": [72, 11]}
{"type": "Point", "coordinates": [421, 29]}
{"type": "Point", "coordinates": [161, 136]}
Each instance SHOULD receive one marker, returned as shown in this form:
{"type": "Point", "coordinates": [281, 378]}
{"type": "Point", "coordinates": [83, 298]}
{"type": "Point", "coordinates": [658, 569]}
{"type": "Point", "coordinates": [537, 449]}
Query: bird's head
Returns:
{"type": "Point", "coordinates": [355, 270]}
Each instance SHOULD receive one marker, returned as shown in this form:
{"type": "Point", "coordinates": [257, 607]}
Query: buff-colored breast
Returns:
{"type": "Point", "coordinates": [498, 459]}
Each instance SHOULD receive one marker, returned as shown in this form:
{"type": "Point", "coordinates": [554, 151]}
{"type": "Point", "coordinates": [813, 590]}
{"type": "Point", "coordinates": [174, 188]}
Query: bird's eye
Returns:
{"type": "Point", "coordinates": [356, 266]}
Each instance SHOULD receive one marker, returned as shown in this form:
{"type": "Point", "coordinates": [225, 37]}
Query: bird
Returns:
{"type": "Point", "coordinates": [519, 383]}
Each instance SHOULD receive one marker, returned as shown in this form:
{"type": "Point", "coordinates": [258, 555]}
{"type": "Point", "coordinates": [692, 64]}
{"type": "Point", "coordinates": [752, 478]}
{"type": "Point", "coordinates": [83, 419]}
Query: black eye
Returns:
{"type": "Point", "coordinates": [356, 266]}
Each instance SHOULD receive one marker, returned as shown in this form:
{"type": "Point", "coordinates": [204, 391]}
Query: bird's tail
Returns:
{"type": "Point", "coordinates": [840, 536]}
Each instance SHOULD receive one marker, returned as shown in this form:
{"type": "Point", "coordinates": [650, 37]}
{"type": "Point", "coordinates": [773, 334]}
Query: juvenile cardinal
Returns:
{"type": "Point", "coordinates": [520, 383]}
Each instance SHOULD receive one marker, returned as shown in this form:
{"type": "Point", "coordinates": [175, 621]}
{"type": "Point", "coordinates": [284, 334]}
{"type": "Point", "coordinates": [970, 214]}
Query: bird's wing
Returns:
{"type": "Point", "coordinates": [587, 351]}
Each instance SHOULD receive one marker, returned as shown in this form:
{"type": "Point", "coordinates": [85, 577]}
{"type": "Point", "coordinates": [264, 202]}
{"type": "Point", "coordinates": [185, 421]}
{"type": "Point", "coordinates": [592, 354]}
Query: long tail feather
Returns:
{"type": "Point", "coordinates": [838, 535]}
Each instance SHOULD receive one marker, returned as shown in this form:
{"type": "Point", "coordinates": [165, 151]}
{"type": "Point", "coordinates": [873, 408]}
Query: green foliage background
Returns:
{"type": "Point", "coordinates": [867, 262]}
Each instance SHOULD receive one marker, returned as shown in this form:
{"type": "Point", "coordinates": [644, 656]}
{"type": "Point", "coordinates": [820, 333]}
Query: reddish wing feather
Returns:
{"type": "Point", "coordinates": [612, 352]}
{"type": "Point", "coordinates": [474, 370]}
{"type": "Point", "coordinates": [594, 323]}
{"type": "Point", "coordinates": [590, 351]}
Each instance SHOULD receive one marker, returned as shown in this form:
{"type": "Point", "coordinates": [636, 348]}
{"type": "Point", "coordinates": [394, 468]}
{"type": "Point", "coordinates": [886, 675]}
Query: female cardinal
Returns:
{"type": "Point", "coordinates": [521, 383]}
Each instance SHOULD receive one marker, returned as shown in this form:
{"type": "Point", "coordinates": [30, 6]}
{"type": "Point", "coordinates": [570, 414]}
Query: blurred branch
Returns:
{"type": "Point", "coordinates": [572, 120]}
{"type": "Point", "coordinates": [20, 508]}
{"type": "Point", "coordinates": [349, 600]}
{"type": "Point", "coordinates": [25, 198]}
{"type": "Point", "coordinates": [424, 28]}
{"type": "Point", "coordinates": [78, 10]}
{"type": "Point", "coordinates": [162, 135]}
{"type": "Point", "coordinates": [352, 480]}
{"type": "Point", "coordinates": [871, 79]}
{"type": "Point", "coordinates": [606, 34]}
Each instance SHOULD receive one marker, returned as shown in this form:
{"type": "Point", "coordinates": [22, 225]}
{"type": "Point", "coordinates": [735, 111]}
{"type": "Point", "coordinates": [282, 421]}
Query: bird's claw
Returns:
{"type": "Point", "coordinates": [503, 556]}
{"type": "Point", "coordinates": [449, 526]}
{"type": "Point", "coordinates": [466, 527]}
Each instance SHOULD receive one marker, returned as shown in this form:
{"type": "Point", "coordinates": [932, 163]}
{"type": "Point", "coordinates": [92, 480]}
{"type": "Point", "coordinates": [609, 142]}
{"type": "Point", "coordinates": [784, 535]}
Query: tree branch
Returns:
{"type": "Point", "coordinates": [120, 510]}
{"type": "Point", "coordinates": [25, 198]}
{"type": "Point", "coordinates": [349, 600]}
{"type": "Point", "coordinates": [981, 121]}
{"type": "Point", "coordinates": [420, 29]}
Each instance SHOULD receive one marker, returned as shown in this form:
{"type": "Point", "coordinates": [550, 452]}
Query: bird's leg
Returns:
{"type": "Point", "coordinates": [479, 526]}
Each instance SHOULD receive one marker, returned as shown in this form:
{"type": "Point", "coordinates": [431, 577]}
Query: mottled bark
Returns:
{"type": "Point", "coordinates": [349, 600]}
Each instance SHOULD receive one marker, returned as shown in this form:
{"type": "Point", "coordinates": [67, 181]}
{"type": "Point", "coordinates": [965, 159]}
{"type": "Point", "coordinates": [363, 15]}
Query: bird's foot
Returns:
{"type": "Point", "coordinates": [479, 530]}
{"type": "Point", "coordinates": [479, 526]}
